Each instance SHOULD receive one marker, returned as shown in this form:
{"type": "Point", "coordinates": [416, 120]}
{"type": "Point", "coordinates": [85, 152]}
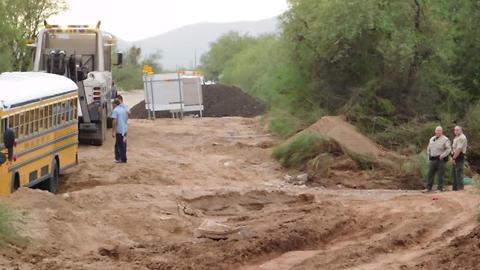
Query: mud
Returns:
{"type": "Point", "coordinates": [143, 215]}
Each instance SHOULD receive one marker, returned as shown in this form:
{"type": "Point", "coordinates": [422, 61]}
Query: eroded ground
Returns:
{"type": "Point", "coordinates": [143, 215]}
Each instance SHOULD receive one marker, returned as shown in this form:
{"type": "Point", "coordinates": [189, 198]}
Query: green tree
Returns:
{"type": "Point", "coordinates": [223, 50]}
{"type": "Point", "coordinates": [466, 28]}
{"type": "Point", "coordinates": [153, 60]}
{"type": "Point", "coordinates": [6, 35]}
{"type": "Point", "coordinates": [130, 76]}
{"type": "Point", "coordinates": [19, 23]}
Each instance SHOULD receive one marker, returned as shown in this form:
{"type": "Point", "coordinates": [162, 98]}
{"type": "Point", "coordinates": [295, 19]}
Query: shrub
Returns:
{"type": "Point", "coordinates": [297, 153]}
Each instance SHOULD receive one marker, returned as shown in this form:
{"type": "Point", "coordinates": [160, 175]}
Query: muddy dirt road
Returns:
{"type": "Point", "coordinates": [143, 215]}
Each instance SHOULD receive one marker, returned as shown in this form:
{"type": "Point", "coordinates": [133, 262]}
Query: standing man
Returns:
{"type": "Point", "coordinates": [120, 129]}
{"type": "Point", "coordinates": [459, 150]}
{"type": "Point", "coordinates": [438, 151]}
{"type": "Point", "coordinates": [125, 106]}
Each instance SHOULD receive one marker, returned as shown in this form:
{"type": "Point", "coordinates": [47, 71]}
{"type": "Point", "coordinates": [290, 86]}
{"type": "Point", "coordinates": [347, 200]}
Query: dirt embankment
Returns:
{"type": "Point", "coordinates": [219, 100]}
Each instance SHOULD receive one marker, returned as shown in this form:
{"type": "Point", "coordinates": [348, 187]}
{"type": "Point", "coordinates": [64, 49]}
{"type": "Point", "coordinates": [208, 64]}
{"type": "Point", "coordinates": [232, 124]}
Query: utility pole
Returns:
{"type": "Point", "coordinates": [195, 65]}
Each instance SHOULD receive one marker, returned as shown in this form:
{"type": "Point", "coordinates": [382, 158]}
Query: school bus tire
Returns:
{"type": "Point", "coordinates": [109, 122]}
{"type": "Point", "coordinates": [96, 142]}
{"type": "Point", "coordinates": [16, 182]}
{"type": "Point", "coordinates": [54, 181]}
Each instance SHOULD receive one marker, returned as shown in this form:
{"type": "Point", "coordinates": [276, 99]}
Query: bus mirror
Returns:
{"type": "Point", "coordinates": [9, 141]}
{"type": "Point", "coordinates": [119, 59]}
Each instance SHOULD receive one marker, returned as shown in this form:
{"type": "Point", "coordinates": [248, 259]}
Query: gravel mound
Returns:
{"type": "Point", "coordinates": [219, 101]}
{"type": "Point", "coordinates": [223, 100]}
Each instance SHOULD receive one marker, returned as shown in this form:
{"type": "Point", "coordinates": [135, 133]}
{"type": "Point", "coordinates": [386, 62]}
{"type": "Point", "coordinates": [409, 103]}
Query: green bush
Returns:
{"type": "Point", "coordinates": [412, 134]}
{"type": "Point", "coordinates": [283, 124]}
{"type": "Point", "coordinates": [128, 77]}
{"type": "Point", "coordinates": [364, 162]}
{"type": "Point", "coordinates": [297, 153]}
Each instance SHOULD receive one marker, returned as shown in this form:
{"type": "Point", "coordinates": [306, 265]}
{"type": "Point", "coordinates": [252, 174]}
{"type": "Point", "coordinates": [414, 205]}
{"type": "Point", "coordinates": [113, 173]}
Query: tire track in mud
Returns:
{"type": "Point", "coordinates": [388, 241]}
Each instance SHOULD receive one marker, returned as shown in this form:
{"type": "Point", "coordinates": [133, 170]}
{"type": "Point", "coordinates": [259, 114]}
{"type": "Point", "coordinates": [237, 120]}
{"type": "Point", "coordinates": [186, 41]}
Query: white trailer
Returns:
{"type": "Point", "coordinates": [173, 92]}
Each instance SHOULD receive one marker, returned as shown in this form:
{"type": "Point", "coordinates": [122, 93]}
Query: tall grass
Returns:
{"type": "Point", "coordinates": [305, 147]}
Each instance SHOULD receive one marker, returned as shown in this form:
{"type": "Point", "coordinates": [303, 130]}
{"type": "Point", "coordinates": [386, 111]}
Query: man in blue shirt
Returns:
{"type": "Point", "coordinates": [125, 106]}
{"type": "Point", "coordinates": [120, 129]}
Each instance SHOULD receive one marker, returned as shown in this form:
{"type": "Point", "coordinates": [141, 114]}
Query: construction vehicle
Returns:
{"type": "Point", "coordinates": [83, 54]}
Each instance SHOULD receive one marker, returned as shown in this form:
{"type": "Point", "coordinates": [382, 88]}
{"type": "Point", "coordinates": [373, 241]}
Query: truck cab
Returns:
{"type": "Point", "coordinates": [83, 54]}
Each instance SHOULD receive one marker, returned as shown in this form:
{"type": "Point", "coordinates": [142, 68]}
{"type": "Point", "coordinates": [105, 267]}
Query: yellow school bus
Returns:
{"type": "Point", "coordinates": [38, 129]}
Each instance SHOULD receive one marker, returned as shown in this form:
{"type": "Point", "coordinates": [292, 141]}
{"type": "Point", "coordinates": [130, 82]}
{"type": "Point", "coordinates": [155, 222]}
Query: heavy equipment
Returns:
{"type": "Point", "coordinates": [83, 54]}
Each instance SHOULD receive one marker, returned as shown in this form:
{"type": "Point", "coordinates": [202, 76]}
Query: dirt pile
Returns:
{"type": "Point", "coordinates": [353, 160]}
{"type": "Point", "coordinates": [139, 112]}
{"type": "Point", "coordinates": [223, 100]}
{"type": "Point", "coordinates": [347, 136]}
{"type": "Point", "coordinates": [219, 101]}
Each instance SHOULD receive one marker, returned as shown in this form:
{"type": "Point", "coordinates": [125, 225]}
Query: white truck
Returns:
{"type": "Point", "coordinates": [83, 54]}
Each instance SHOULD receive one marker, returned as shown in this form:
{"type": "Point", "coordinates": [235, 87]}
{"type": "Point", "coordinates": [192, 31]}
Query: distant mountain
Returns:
{"type": "Point", "coordinates": [179, 46]}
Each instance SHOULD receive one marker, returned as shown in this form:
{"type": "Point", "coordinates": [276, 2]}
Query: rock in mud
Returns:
{"type": "Point", "coordinates": [298, 180]}
{"type": "Point", "coordinates": [215, 230]}
{"type": "Point", "coordinates": [111, 252]}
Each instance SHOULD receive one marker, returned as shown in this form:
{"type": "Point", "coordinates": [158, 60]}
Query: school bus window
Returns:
{"type": "Point", "coordinates": [75, 109]}
{"type": "Point", "coordinates": [58, 113]}
{"type": "Point", "coordinates": [68, 110]}
{"type": "Point", "coordinates": [37, 120]}
{"type": "Point", "coordinates": [71, 107]}
{"type": "Point", "coordinates": [24, 123]}
{"type": "Point", "coordinates": [49, 116]}
{"type": "Point", "coordinates": [40, 119]}
{"type": "Point", "coordinates": [15, 125]}
{"type": "Point", "coordinates": [31, 119]}
{"type": "Point", "coordinates": [64, 112]}
{"type": "Point", "coordinates": [21, 125]}
{"type": "Point", "coordinates": [31, 129]}
{"type": "Point", "coordinates": [45, 117]}
{"type": "Point", "coordinates": [54, 114]}
{"type": "Point", "coordinates": [28, 122]}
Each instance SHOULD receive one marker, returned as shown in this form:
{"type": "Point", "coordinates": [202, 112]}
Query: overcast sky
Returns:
{"type": "Point", "coordinates": [132, 20]}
